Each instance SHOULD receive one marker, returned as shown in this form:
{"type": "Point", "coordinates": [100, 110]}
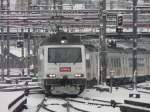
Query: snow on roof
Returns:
{"type": "Point", "coordinates": [17, 51]}
{"type": "Point", "coordinates": [123, 46]}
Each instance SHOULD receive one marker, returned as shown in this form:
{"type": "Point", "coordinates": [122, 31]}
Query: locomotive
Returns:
{"type": "Point", "coordinates": [62, 64]}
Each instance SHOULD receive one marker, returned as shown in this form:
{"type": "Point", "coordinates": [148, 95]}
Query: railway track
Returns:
{"type": "Point", "coordinates": [77, 104]}
{"type": "Point", "coordinates": [18, 87]}
{"type": "Point", "coordinates": [139, 89]}
{"type": "Point", "coordinates": [64, 104]}
{"type": "Point", "coordinates": [47, 106]}
{"type": "Point", "coordinates": [41, 105]}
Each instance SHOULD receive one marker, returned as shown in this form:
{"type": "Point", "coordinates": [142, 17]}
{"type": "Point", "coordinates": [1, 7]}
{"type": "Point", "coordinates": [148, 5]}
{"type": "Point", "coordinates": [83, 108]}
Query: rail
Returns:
{"type": "Point", "coordinates": [18, 104]}
{"type": "Point", "coordinates": [40, 105]}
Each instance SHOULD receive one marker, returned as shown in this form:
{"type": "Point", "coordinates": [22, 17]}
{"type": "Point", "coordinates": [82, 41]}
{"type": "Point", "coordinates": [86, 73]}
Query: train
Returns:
{"type": "Point", "coordinates": [120, 61]}
{"type": "Point", "coordinates": [62, 64]}
{"type": "Point", "coordinates": [66, 66]}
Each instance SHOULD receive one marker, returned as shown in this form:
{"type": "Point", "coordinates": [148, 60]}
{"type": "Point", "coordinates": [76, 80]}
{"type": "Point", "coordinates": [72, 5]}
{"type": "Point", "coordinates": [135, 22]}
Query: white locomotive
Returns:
{"type": "Point", "coordinates": [62, 64]}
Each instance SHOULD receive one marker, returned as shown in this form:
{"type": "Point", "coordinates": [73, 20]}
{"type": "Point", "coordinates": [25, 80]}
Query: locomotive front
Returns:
{"type": "Point", "coordinates": [63, 67]}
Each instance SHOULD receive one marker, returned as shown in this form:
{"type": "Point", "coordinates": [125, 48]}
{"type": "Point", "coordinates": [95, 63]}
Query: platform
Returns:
{"type": "Point", "coordinates": [7, 98]}
{"type": "Point", "coordinates": [132, 105]}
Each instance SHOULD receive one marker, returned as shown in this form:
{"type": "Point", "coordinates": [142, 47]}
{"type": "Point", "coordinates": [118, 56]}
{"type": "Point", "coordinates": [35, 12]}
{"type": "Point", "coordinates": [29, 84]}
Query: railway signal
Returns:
{"type": "Point", "coordinates": [119, 28]}
{"type": "Point", "coordinates": [20, 44]}
{"type": "Point", "coordinates": [112, 44]}
{"type": "Point", "coordinates": [120, 20]}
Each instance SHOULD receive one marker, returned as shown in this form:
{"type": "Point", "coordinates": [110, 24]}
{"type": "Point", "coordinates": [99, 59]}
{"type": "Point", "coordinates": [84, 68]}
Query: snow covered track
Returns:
{"type": "Point", "coordinates": [47, 105]}
{"type": "Point", "coordinates": [78, 104]}
{"type": "Point", "coordinates": [18, 104]}
{"type": "Point", "coordinates": [40, 105]}
{"type": "Point", "coordinates": [134, 106]}
{"type": "Point", "coordinates": [90, 103]}
{"type": "Point", "coordinates": [145, 90]}
{"type": "Point", "coordinates": [18, 87]}
{"type": "Point", "coordinates": [44, 106]}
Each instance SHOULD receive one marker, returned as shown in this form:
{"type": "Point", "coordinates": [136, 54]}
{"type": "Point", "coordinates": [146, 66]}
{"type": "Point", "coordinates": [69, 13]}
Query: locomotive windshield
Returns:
{"type": "Point", "coordinates": [64, 55]}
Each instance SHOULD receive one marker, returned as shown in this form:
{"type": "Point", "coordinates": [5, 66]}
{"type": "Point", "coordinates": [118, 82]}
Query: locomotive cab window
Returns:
{"type": "Point", "coordinates": [64, 55]}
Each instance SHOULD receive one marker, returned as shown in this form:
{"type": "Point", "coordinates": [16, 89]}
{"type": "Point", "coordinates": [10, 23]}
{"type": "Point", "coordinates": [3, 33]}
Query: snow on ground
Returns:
{"type": "Point", "coordinates": [6, 98]}
{"type": "Point", "coordinates": [119, 95]}
{"type": "Point", "coordinates": [56, 105]}
{"type": "Point", "coordinates": [20, 86]}
{"type": "Point", "coordinates": [18, 51]}
{"type": "Point", "coordinates": [33, 101]}
{"type": "Point", "coordinates": [145, 84]}
{"type": "Point", "coordinates": [94, 108]}
{"type": "Point", "coordinates": [16, 71]}
{"type": "Point", "coordinates": [13, 71]}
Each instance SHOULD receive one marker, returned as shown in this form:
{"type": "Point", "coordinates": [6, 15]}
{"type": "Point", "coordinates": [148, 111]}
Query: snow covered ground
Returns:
{"type": "Point", "coordinates": [6, 98]}
{"type": "Point", "coordinates": [119, 95]}
{"type": "Point", "coordinates": [16, 71]}
{"type": "Point", "coordinates": [88, 96]}
{"type": "Point", "coordinates": [18, 51]}
{"type": "Point", "coordinates": [56, 105]}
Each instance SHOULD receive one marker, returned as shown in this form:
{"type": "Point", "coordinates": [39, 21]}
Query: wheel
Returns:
{"type": "Point", "coordinates": [48, 91]}
{"type": "Point", "coordinates": [82, 87]}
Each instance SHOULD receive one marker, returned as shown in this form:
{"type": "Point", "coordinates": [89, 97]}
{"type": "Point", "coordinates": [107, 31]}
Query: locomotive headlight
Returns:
{"type": "Point", "coordinates": [64, 40]}
{"type": "Point", "coordinates": [79, 75]}
{"type": "Point", "coordinates": [51, 75]}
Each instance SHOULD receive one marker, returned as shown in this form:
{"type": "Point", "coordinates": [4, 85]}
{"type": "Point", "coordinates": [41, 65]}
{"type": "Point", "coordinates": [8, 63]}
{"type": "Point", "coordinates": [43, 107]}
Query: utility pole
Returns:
{"type": "Point", "coordinates": [28, 44]}
{"type": "Point", "coordinates": [2, 54]}
{"type": "Point", "coordinates": [60, 8]}
{"type": "Point", "coordinates": [102, 43]}
{"type": "Point", "coordinates": [34, 51]}
{"type": "Point", "coordinates": [47, 3]}
{"type": "Point", "coordinates": [57, 4]}
{"type": "Point", "coordinates": [2, 45]}
{"type": "Point", "coordinates": [39, 2]}
{"type": "Point", "coordinates": [28, 49]}
{"type": "Point", "coordinates": [22, 50]}
{"type": "Point", "coordinates": [54, 4]}
{"type": "Point", "coordinates": [8, 47]}
{"type": "Point", "coordinates": [134, 41]}
{"type": "Point", "coordinates": [60, 5]}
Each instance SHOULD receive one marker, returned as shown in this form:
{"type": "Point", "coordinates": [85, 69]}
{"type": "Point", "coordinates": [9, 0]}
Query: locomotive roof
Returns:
{"type": "Point", "coordinates": [55, 39]}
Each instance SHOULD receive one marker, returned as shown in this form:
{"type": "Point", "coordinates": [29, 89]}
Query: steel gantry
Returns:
{"type": "Point", "coordinates": [5, 5]}
{"type": "Point", "coordinates": [51, 14]}
{"type": "Point", "coordinates": [2, 46]}
{"type": "Point", "coordinates": [71, 18]}
{"type": "Point", "coordinates": [102, 57]}
{"type": "Point", "coordinates": [8, 47]}
{"type": "Point", "coordinates": [134, 41]}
